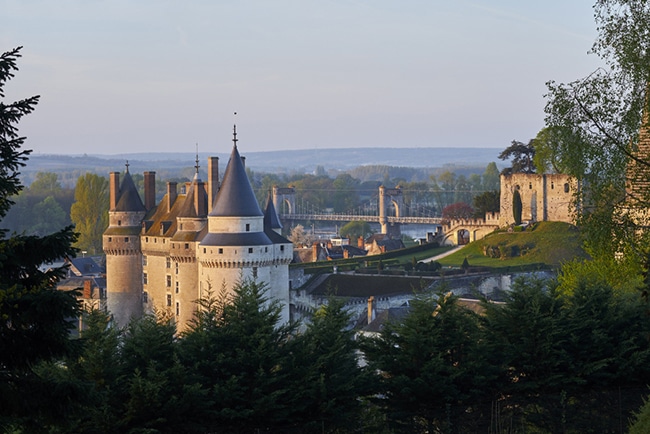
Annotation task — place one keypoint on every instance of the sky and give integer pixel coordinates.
(122, 76)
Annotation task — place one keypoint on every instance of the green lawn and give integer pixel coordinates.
(548, 243)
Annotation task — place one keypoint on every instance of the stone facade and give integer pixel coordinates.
(544, 197)
(165, 257)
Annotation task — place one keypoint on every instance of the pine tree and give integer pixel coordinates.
(516, 207)
(34, 315)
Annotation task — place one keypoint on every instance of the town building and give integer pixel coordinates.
(206, 238)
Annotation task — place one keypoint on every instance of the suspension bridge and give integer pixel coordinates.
(390, 201)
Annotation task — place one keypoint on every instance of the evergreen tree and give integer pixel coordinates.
(238, 353)
(331, 379)
(517, 207)
(434, 374)
(34, 315)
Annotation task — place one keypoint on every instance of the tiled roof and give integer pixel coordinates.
(236, 197)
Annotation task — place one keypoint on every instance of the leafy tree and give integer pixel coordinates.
(298, 236)
(46, 183)
(34, 315)
(457, 211)
(521, 156)
(355, 230)
(517, 207)
(491, 178)
(598, 119)
(89, 213)
(487, 202)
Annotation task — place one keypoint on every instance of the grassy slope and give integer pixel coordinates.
(550, 243)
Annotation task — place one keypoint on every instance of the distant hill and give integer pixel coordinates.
(305, 160)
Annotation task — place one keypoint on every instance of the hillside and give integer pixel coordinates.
(548, 243)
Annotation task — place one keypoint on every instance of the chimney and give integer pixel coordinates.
(88, 292)
(114, 187)
(360, 243)
(199, 200)
(171, 195)
(149, 190)
(371, 309)
(213, 180)
(314, 252)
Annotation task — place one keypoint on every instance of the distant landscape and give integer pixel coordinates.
(296, 161)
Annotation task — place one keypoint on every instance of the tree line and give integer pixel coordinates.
(548, 360)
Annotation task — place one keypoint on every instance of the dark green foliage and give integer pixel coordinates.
(434, 372)
(521, 155)
(34, 316)
(517, 207)
(486, 202)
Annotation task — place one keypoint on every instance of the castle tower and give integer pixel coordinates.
(236, 246)
(190, 224)
(121, 244)
(282, 256)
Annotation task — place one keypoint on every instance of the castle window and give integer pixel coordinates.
(146, 239)
(266, 249)
(119, 222)
(169, 281)
(566, 188)
(169, 300)
(248, 227)
(145, 297)
(144, 260)
(177, 288)
(178, 308)
(282, 248)
(530, 185)
(552, 186)
(254, 272)
(220, 250)
(110, 239)
(187, 246)
(126, 239)
(181, 226)
(144, 278)
(168, 262)
(250, 250)
(176, 267)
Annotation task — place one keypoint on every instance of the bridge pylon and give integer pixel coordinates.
(388, 197)
(282, 195)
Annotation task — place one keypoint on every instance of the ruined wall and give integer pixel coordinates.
(546, 197)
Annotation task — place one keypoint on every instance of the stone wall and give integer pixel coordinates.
(546, 197)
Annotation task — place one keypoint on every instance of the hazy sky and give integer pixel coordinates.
(143, 76)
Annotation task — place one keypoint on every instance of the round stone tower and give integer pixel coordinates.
(121, 243)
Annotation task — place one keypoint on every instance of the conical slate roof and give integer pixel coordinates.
(236, 197)
(129, 198)
(271, 220)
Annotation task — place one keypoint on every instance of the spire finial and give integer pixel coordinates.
(127, 166)
(234, 133)
(197, 159)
